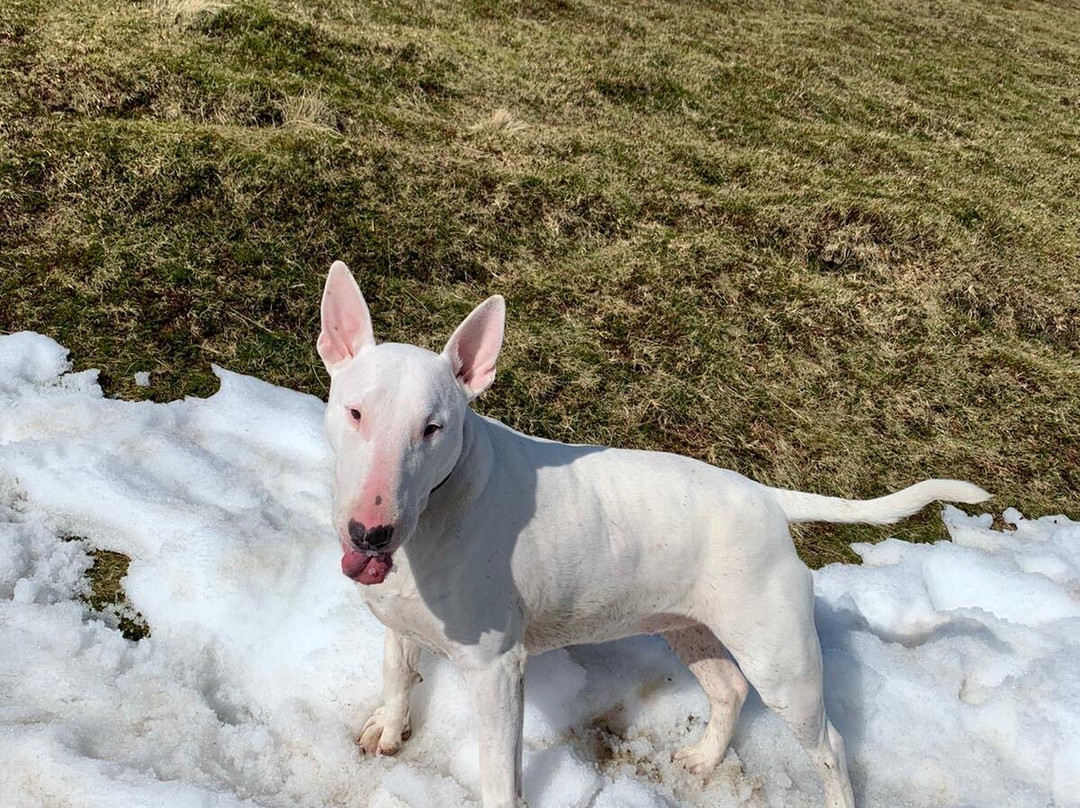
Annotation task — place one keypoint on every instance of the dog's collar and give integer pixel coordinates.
(457, 463)
(447, 477)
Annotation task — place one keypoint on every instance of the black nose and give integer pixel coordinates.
(377, 538)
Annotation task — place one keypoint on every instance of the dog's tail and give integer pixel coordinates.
(803, 507)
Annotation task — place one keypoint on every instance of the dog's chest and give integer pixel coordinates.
(406, 614)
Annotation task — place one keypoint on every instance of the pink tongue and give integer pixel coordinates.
(365, 569)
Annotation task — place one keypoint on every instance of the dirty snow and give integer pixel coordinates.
(952, 668)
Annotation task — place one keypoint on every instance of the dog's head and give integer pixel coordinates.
(394, 420)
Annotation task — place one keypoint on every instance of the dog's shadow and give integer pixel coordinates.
(597, 700)
(638, 687)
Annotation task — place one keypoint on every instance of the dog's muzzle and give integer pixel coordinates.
(367, 561)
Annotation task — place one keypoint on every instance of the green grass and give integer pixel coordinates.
(106, 593)
(834, 246)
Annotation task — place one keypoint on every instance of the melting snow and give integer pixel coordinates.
(952, 668)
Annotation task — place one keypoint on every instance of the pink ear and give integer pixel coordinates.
(474, 347)
(346, 322)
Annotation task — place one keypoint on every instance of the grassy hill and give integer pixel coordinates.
(832, 245)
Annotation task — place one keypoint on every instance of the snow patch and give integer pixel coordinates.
(951, 668)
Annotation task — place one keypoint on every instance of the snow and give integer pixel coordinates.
(142, 378)
(951, 668)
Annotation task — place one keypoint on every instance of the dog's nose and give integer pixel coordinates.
(357, 532)
(377, 538)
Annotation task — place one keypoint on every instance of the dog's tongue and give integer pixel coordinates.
(365, 569)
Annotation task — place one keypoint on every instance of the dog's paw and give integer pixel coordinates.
(702, 757)
(384, 732)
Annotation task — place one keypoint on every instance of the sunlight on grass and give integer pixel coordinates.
(832, 247)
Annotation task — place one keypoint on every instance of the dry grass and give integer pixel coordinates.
(308, 110)
(185, 12)
(832, 246)
(500, 122)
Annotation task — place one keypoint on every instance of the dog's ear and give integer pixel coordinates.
(346, 322)
(474, 347)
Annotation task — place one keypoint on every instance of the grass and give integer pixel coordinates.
(834, 246)
(106, 593)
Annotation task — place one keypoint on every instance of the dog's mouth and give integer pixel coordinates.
(366, 569)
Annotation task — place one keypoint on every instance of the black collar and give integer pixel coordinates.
(440, 485)
(457, 462)
(448, 476)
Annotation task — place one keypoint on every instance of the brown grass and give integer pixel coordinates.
(832, 246)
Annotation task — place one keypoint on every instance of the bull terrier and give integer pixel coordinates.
(486, 545)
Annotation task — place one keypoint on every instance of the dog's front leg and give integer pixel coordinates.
(388, 726)
(496, 688)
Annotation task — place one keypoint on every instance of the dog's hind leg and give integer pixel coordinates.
(772, 636)
(804, 713)
(388, 726)
(725, 687)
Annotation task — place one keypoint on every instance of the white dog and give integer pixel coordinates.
(486, 545)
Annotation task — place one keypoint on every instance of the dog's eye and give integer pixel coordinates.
(354, 414)
(431, 429)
